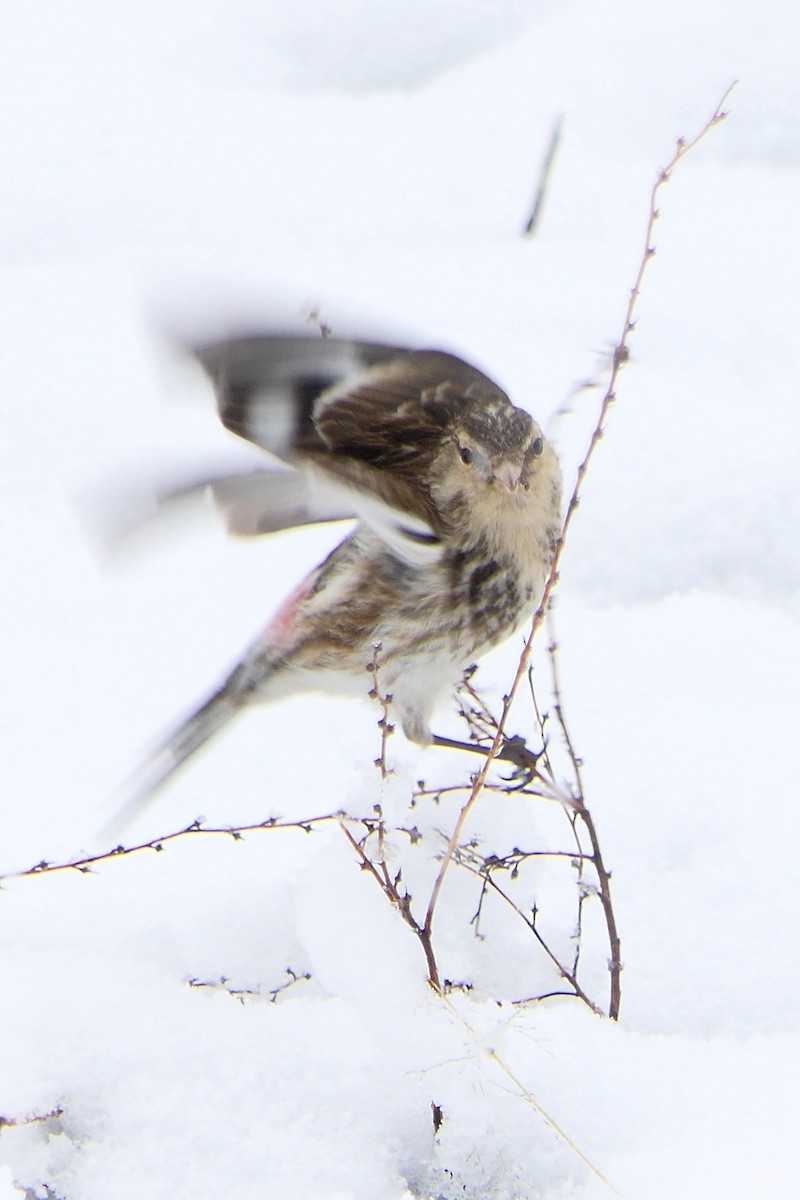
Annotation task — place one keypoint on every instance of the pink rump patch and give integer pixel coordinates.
(279, 630)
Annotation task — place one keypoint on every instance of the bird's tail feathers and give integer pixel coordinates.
(173, 752)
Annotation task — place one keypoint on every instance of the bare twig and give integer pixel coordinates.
(603, 875)
(223, 984)
(36, 1119)
(544, 177)
(401, 900)
(567, 974)
(620, 356)
(84, 865)
(384, 699)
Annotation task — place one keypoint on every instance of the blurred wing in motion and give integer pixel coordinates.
(263, 501)
(361, 421)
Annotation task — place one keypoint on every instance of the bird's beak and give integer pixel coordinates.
(507, 474)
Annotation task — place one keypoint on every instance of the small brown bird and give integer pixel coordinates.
(457, 496)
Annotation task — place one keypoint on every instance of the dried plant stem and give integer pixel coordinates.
(530, 1099)
(619, 358)
(603, 876)
(37, 1119)
(84, 865)
(544, 178)
(384, 699)
(524, 1093)
(241, 994)
(570, 976)
(401, 901)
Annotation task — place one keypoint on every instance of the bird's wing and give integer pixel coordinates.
(365, 417)
(264, 500)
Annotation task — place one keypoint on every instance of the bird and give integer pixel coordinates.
(456, 494)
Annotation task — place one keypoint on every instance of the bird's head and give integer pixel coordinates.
(490, 445)
(493, 449)
(495, 470)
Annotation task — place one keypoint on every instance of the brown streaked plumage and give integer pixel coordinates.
(457, 496)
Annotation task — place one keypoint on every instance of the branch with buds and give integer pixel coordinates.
(620, 356)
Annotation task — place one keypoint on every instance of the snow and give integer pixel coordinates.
(174, 165)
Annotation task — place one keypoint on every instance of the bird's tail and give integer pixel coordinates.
(174, 751)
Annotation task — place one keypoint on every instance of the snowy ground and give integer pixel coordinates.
(194, 163)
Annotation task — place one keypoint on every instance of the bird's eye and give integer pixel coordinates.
(467, 455)
(537, 446)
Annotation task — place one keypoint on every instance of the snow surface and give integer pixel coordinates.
(184, 163)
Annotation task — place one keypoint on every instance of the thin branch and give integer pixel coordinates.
(84, 865)
(565, 973)
(529, 1097)
(541, 720)
(620, 357)
(543, 996)
(401, 901)
(36, 1119)
(384, 699)
(544, 177)
(603, 876)
(241, 994)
